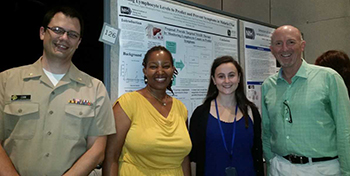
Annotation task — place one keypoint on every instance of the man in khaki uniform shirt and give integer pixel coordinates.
(53, 118)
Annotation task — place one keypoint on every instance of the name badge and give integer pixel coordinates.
(20, 97)
(231, 171)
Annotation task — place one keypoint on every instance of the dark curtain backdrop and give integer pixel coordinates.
(24, 46)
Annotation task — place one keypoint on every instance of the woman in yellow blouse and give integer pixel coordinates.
(152, 136)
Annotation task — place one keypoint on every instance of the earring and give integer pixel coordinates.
(146, 80)
(172, 79)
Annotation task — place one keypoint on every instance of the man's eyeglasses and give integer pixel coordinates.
(288, 111)
(60, 31)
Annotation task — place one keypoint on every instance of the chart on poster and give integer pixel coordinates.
(194, 36)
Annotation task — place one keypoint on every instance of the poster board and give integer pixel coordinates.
(256, 58)
(193, 35)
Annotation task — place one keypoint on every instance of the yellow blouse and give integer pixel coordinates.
(154, 145)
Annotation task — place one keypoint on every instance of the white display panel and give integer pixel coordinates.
(194, 36)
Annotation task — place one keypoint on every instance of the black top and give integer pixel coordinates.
(198, 128)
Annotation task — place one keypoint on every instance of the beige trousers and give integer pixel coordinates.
(279, 166)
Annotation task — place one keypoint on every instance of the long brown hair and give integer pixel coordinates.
(241, 99)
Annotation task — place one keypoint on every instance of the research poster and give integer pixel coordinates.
(194, 36)
(259, 61)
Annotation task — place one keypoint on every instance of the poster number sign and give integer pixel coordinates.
(108, 34)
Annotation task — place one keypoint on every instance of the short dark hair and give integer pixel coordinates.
(66, 10)
(339, 61)
(160, 48)
(241, 98)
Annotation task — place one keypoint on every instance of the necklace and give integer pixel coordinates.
(160, 101)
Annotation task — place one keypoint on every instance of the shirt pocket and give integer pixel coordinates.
(21, 120)
(78, 121)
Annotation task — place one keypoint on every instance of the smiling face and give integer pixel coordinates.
(58, 46)
(287, 46)
(158, 70)
(226, 78)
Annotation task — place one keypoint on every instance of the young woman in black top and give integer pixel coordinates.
(226, 129)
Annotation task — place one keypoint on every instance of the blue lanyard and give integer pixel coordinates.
(222, 131)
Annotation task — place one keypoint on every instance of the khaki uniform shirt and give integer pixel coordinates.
(44, 128)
